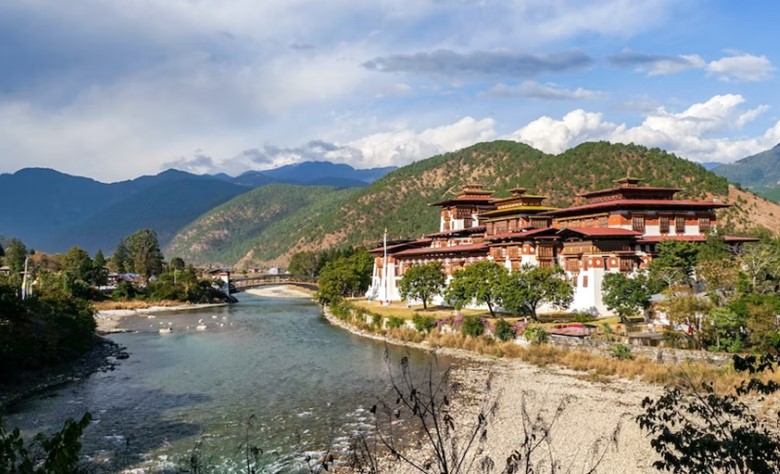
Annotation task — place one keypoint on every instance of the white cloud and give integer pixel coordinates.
(403, 146)
(546, 91)
(555, 136)
(700, 133)
(742, 67)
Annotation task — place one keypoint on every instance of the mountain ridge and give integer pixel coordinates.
(399, 201)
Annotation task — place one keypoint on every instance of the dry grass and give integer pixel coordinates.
(596, 367)
(400, 310)
(593, 366)
(112, 305)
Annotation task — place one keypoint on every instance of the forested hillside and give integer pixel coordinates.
(760, 173)
(227, 233)
(400, 200)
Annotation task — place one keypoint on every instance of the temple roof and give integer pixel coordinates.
(729, 239)
(523, 234)
(451, 233)
(442, 250)
(400, 245)
(600, 232)
(655, 204)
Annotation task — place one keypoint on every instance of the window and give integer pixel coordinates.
(679, 225)
(663, 223)
(603, 221)
(704, 225)
(585, 281)
(638, 223)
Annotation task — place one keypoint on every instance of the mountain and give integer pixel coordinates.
(711, 165)
(316, 171)
(39, 203)
(759, 173)
(400, 200)
(165, 206)
(227, 233)
(52, 211)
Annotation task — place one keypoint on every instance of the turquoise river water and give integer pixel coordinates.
(269, 371)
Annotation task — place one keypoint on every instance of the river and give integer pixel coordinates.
(270, 371)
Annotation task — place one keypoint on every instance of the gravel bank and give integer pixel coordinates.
(592, 411)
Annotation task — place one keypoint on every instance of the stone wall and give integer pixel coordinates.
(662, 355)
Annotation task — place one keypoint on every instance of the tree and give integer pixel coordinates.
(524, 290)
(305, 263)
(15, 253)
(177, 263)
(625, 295)
(99, 271)
(675, 261)
(120, 261)
(760, 265)
(479, 282)
(683, 306)
(144, 253)
(422, 282)
(344, 276)
(76, 263)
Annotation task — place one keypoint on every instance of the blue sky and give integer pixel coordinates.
(112, 90)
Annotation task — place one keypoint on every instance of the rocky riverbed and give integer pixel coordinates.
(589, 423)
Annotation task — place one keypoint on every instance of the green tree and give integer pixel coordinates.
(345, 276)
(77, 264)
(626, 295)
(120, 260)
(99, 271)
(524, 290)
(144, 253)
(177, 263)
(422, 282)
(305, 263)
(15, 253)
(675, 262)
(478, 282)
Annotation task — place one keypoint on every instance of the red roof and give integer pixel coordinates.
(470, 230)
(410, 243)
(465, 200)
(441, 250)
(693, 238)
(602, 231)
(520, 234)
(630, 189)
(629, 203)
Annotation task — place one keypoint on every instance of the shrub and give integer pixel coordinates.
(376, 320)
(423, 323)
(583, 318)
(504, 331)
(394, 322)
(621, 352)
(472, 326)
(536, 334)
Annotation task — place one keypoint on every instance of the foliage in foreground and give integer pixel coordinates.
(55, 454)
(696, 430)
(42, 331)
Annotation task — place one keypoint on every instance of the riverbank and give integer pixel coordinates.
(592, 411)
(281, 291)
(109, 320)
(103, 357)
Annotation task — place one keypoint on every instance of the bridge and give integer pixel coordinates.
(241, 284)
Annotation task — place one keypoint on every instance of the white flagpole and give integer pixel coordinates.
(24, 279)
(384, 267)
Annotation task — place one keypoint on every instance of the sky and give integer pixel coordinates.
(113, 90)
